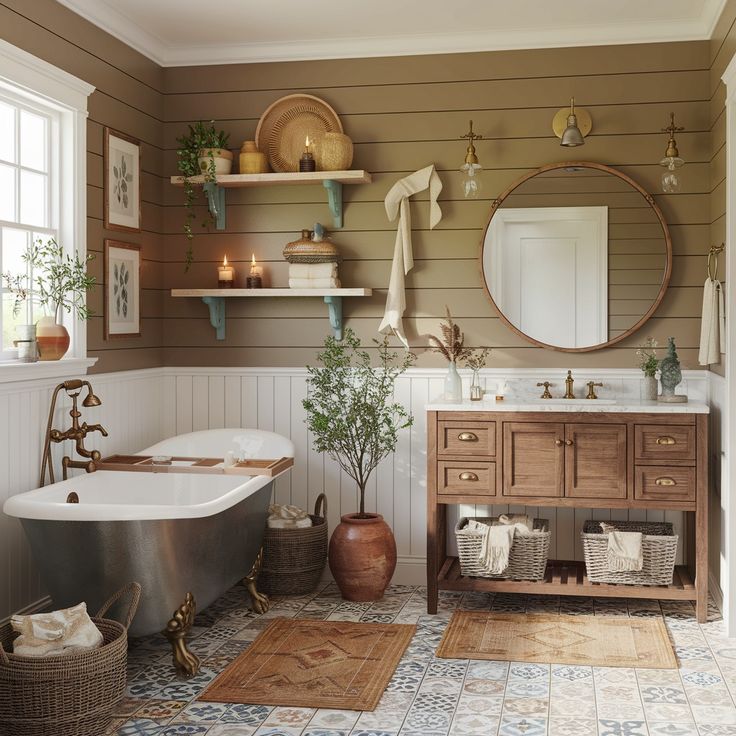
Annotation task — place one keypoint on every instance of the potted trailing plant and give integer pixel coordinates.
(60, 282)
(353, 418)
(202, 152)
(649, 364)
(452, 347)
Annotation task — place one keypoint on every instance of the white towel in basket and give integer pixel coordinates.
(287, 517)
(624, 549)
(498, 540)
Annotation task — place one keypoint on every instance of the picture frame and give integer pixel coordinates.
(122, 277)
(122, 182)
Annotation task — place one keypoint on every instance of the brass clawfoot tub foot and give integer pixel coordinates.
(259, 601)
(186, 662)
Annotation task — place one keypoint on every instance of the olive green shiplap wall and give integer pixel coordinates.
(128, 98)
(404, 113)
(722, 49)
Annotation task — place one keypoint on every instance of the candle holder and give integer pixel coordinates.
(225, 276)
(307, 163)
(253, 282)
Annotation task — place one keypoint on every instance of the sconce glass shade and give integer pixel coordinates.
(472, 184)
(670, 177)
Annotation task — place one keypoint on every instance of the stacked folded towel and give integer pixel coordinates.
(68, 631)
(313, 276)
(287, 517)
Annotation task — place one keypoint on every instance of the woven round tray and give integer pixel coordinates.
(658, 547)
(285, 125)
(294, 559)
(70, 695)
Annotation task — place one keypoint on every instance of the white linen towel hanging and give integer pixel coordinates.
(498, 539)
(712, 324)
(624, 549)
(397, 203)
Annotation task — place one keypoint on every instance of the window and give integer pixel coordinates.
(43, 143)
(28, 199)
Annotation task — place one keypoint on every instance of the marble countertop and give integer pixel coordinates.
(628, 405)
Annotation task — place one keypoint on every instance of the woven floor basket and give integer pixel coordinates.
(527, 558)
(71, 695)
(294, 559)
(658, 546)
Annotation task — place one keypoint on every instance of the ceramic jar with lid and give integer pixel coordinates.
(251, 160)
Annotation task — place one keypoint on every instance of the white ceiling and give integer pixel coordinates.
(183, 32)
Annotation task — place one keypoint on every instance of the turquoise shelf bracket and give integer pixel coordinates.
(334, 199)
(334, 309)
(216, 202)
(217, 314)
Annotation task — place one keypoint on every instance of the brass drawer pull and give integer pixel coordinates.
(569, 443)
(666, 440)
(468, 476)
(467, 437)
(559, 443)
(665, 482)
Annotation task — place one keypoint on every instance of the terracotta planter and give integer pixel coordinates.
(52, 339)
(362, 556)
(222, 157)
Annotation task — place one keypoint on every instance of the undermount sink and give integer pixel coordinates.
(587, 402)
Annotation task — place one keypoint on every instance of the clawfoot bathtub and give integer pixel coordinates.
(183, 537)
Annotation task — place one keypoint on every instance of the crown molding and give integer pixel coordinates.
(167, 55)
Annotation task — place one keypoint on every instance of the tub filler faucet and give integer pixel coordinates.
(77, 432)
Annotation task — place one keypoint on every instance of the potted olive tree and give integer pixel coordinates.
(353, 418)
(60, 282)
(202, 152)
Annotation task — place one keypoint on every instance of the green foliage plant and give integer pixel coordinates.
(60, 280)
(647, 354)
(350, 408)
(200, 137)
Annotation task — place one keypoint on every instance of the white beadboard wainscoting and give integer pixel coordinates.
(142, 407)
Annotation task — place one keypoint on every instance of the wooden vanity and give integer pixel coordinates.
(645, 456)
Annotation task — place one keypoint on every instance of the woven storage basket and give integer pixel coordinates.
(72, 695)
(294, 559)
(658, 546)
(527, 558)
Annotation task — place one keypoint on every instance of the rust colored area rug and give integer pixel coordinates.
(600, 641)
(314, 664)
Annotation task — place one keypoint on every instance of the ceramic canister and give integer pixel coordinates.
(221, 156)
(251, 160)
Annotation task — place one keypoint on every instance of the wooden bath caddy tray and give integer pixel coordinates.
(211, 465)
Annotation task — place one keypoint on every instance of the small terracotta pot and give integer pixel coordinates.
(362, 556)
(222, 157)
(52, 339)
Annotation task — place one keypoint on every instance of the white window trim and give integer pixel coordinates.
(26, 75)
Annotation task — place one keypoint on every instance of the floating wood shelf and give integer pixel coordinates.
(331, 180)
(567, 578)
(215, 300)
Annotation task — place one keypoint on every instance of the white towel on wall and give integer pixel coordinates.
(397, 203)
(712, 324)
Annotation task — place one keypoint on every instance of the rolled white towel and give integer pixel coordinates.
(67, 631)
(313, 270)
(314, 283)
(287, 517)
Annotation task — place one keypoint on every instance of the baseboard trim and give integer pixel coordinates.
(36, 607)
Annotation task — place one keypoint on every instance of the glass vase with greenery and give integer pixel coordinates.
(201, 137)
(452, 347)
(647, 354)
(350, 408)
(476, 361)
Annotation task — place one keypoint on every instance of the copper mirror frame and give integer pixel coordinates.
(496, 204)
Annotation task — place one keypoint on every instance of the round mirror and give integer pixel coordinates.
(576, 256)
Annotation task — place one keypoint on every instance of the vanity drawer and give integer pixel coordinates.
(665, 442)
(463, 478)
(664, 483)
(466, 438)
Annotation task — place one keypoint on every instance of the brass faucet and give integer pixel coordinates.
(77, 432)
(546, 394)
(569, 381)
(591, 389)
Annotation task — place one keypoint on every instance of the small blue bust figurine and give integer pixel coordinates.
(670, 374)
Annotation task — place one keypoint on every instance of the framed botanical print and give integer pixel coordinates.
(122, 207)
(122, 289)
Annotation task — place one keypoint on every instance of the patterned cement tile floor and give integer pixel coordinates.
(437, 697)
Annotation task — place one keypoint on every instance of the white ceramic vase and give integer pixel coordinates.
(453, 384)
(649, 392)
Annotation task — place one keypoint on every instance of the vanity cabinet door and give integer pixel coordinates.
(595, 461)
(533, 459)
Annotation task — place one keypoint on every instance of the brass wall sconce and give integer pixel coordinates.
(571, 125)
(471, 167)
(671, 161)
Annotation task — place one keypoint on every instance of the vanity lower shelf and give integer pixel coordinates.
(567, 578)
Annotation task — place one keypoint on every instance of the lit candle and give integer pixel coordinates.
(254, 278)
(306, 162)
(225, 275)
